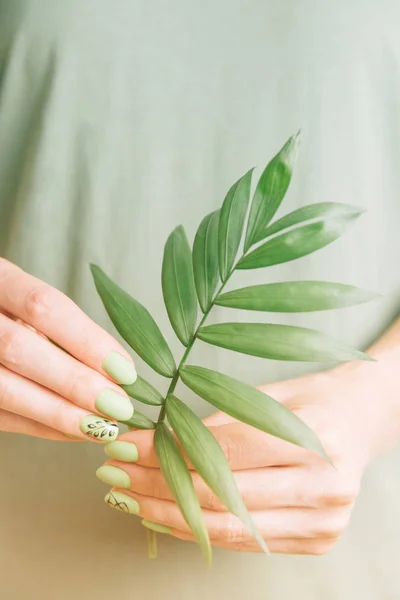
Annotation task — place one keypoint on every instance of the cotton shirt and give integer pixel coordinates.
(120, 120)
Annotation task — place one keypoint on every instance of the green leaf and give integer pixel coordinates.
(320, 210)
(271, 189)
(144, 392)
(139, 421)
(210, 462)
(135, 324)
(205, 259)
(179, 480)
(295, 296)
(279, 342)
(231, 223)
(178, 285)
(251, 406)
(297, 242)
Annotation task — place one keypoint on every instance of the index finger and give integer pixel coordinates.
(56, 316)
(244, 447)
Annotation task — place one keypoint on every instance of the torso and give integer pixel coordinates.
(118, 123)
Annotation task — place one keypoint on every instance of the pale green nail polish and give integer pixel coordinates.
(114, 405)
(156, 526)
(122, 502)
(120, 368)
(123, 451)
(99, 428)
(113, 476)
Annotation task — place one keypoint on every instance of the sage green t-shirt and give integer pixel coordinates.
(120, 120)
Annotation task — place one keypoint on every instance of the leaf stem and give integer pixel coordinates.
(152, 543)
(185, 356)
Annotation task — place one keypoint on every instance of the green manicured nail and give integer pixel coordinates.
(114, 476)
(120, 368)
(114, 405)
(122, 502)
(99, 428)
(156, 526)
(123, 451)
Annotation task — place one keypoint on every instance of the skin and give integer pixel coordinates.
(300, 503)
(44, 391)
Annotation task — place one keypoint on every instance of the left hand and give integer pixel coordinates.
(299, 502)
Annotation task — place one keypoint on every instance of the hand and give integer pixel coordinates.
(49, 391)
(299, 502)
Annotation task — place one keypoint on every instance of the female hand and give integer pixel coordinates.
(299, 502)
(45, 391)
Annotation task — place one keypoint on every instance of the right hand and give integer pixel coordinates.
(48, 392)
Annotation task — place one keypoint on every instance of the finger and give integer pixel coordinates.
(260, 489)
(284, 523)
(218, 418)
(20, 396)
(55, 315)
(244, 446)
(276, 546)
(12, 423)
(30, 354)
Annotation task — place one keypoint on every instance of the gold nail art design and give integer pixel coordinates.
(99, 428)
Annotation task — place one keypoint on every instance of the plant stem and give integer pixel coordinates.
(185, 356)
(152, 543)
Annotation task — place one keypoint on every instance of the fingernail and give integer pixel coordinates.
(113, 476)
(114, 405)
(156, 526)
(120, 368)
(99, 428)
(123, 451)
(122, 502)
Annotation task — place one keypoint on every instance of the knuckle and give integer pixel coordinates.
(164, 517)
(231, 531)
(333, 443)
(87, 348)
(227, 450)
(234, 450)
(333, 526)
(79, 386)
(60, 418)
(38, 303)
(156, 486)
(340, 493)
(332, 449)
(212, 502)
(10, 345)
(322, 548)
(347, 494)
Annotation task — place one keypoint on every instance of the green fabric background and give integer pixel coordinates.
(120, 120)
